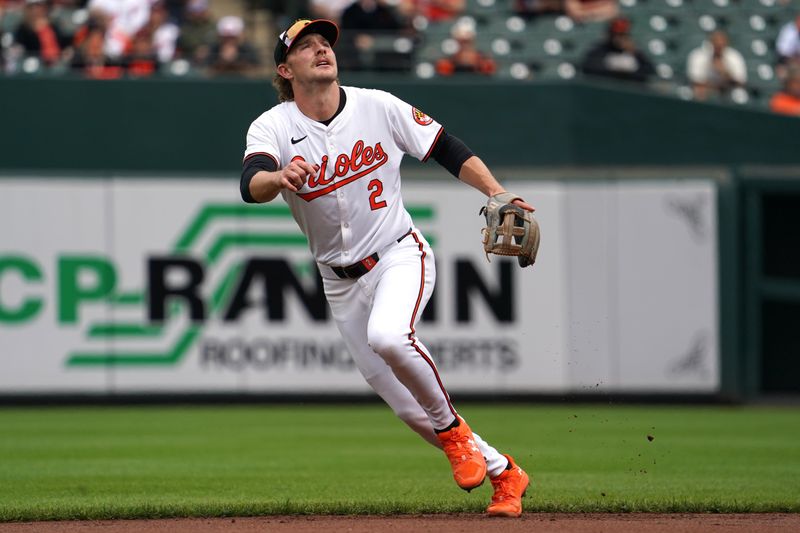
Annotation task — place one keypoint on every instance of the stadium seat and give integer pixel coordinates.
(179, 68)
(708, 22)
(715, 7)
(68, 20)
(559, 70)
(544, 26)
(488, 8)
(766, 6)
(669, 6)
(762, 75)
(10, 19)
(755, 47)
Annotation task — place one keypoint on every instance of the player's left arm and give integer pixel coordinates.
(419, 135)
(475, 172)
(460, 161)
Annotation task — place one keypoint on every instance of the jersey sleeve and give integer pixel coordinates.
(414, 132)
(262, 140)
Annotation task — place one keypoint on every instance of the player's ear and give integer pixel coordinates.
(284, 71)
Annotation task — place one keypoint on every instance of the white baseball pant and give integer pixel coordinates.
(377, 314)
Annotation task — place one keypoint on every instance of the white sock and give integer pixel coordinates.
(495, 461)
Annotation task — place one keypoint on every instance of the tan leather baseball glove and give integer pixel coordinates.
(510, 230)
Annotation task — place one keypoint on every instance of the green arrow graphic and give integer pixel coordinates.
(207, 215)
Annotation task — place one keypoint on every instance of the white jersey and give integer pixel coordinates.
(353, 206)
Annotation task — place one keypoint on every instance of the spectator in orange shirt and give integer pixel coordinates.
(91, 59)
(586, 11)
(440, 10)
(37, 35)
(787, 101)
(467, 58)
(141, 61)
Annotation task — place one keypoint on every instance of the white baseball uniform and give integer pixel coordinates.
(351, 210)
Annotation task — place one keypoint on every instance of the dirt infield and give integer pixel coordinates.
(541, 523)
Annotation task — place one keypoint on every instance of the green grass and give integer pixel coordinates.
(96, 463)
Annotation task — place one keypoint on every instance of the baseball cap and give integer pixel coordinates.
(230, 26)
(197, 6)
(324, 27)
(620, 25)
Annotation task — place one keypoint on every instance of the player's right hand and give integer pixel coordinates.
(294, 175)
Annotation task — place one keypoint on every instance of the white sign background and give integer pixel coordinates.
(623, 296)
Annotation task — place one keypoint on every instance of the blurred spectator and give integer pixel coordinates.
(141, 61)
(714, 68)
(231, 54)
(37, 36)
(467, 58)
(787, 101)
(529, 9)
(370, 15)
(329, 9)
(617, 56)
(198, 33)
(440, 10)
(584, 11)
(163, 33)
(285, 12)
(788, 46)
(122, 19)
(361, 23)
(176, 10)
(91, 60)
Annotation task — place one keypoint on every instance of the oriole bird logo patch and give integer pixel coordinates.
(421, 118)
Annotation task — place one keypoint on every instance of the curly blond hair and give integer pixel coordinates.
(284, 88)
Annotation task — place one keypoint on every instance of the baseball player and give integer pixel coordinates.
(333, 153)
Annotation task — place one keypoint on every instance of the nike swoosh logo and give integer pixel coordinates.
(298, 140)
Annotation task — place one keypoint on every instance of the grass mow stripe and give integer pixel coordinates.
(159, 461)
(213, 211)
(127, 511)
(222, 510)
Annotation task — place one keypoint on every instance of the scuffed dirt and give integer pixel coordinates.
(538, 522)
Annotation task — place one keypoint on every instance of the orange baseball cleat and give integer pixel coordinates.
(509, 488)
(469, 466)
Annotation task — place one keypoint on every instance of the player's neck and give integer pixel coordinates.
(316, 102)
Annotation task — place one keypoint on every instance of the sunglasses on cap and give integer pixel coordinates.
(326, 28)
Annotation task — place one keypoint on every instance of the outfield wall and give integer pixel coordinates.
(549, 131)
(623, 298)
(199, 126)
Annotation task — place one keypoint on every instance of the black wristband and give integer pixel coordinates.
(451, 152)
(251, 166)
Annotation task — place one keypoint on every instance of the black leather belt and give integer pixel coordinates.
(356, 270)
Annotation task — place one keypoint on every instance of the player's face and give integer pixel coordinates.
(312, 59)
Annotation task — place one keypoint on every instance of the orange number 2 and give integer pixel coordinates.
(377, 189)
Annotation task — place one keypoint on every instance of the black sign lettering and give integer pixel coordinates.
(160, 290)
(277, 277)
(500, 301)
